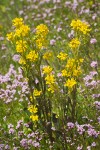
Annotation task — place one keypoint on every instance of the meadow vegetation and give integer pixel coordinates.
(49, 75)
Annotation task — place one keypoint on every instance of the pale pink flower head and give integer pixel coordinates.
(94, 16)
(94, 64)
(52, 42)
(16, 57)
(79, 147)
(93, 144)
(93, 41)
(70, 125)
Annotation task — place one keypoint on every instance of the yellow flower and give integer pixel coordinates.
(39, 43)
(31, 98)
(32, 109)
(62, 56)
(70, 63)
(47, 55)
(77, 72)
(17, 22)
(10, 36)
(34, 117)
(42, 30)
(37, 93)
(50, 79)
(74, 43)
(47, 70)
(32, 56)
(81, 60)
(52, 88)
(80, 26)
(21, 46)
(22, 61)
(70, 83)
(22, 31)
(64, 72)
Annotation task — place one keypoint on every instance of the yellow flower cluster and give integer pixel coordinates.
(40, 43)
(74, 43)
(21, 30)
(47, 55)
(50, 79)
(21, 46)
(47, 70)
(34, 117)
(72, 70)
(20, 37)
(62, 56)
(41, 32)
(36, 93)
(71, 63)
(32, 56)
(17, 22)
(10, 36)
(70, 83)
(33, 110)
(52, 87)
(22, 61)
(64, 73)
(80, 26)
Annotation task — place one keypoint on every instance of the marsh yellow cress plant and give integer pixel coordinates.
(48, 83)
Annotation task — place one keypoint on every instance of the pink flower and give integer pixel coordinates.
(94, 64)
(93, 41)
(52, 42)
(16, 57)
